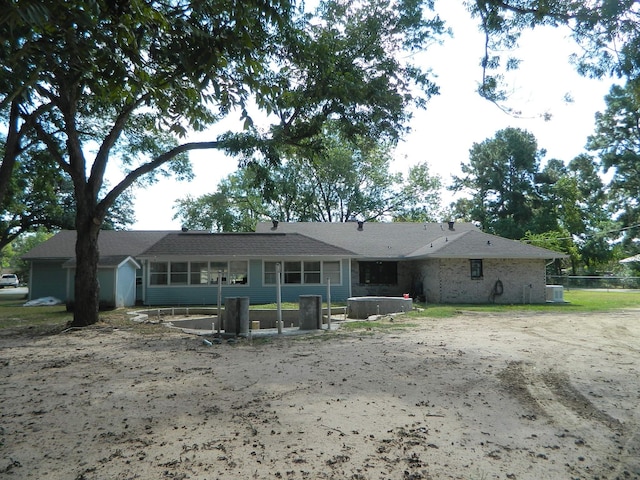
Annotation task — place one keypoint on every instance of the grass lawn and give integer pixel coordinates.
(14, 316)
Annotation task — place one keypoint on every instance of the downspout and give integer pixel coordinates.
(350, 294)
(145, 264)
(116, 297)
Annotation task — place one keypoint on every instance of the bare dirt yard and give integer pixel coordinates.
(478, 396)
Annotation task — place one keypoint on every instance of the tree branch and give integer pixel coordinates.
(102, 157)
(111, 197)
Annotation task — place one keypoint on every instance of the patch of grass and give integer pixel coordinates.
(601, 300)
(577, 301)
(14, 315)
(15, 318)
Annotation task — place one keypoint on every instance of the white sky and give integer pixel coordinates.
(443, 133)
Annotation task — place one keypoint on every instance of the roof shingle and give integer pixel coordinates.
(241, 245)
(412, 240)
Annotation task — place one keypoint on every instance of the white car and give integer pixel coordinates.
(9, 280)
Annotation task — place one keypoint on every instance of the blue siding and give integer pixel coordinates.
(106, 277)
(254, 289)
(48, 279)
(126, 285)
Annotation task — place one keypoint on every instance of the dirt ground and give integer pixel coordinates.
(540, 396)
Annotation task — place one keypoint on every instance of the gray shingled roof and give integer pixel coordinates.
(476, 244)
(110, 261)
(412, 240)
(374, 240)
(241, 245)
(112, 243)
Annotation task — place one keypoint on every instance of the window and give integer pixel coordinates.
(199, 273)
(270, 273)
(179, 273)
(307, 272)
(292, 272)
(379, 273)
(476, 268)
(237, 273)
(159, 273)
(311, 272)
(218, 269)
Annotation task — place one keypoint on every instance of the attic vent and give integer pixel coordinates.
(185, 229)
(275, 223)
(451, 224)
(360, 224)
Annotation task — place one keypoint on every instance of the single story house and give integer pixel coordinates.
(451, 262)
(438, 263)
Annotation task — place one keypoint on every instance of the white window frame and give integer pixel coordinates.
(233, 273)
(269, 273)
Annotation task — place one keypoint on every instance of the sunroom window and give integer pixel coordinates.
(179, 273)
(238, 273)
(159, 273)
(218, 272)
(303, 272)
(199, 273)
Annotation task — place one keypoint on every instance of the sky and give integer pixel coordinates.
(453, 121)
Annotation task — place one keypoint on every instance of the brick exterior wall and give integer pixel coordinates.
(449, 281)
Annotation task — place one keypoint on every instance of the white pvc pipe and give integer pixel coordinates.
(278, 299)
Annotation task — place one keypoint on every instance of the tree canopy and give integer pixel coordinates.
(93, 81)
(607, 32)
(510, 194)
(500, 176)
(344, 180)
(616, 141)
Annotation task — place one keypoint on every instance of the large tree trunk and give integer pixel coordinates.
(87, 288)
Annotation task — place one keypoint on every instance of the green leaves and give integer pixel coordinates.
(339, 180)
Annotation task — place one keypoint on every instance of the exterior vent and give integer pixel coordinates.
(360, 224)
(275, 224)
(451, 224)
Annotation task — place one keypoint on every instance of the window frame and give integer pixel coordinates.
(161, 273)
(476, 268)
(158, 273)
(303, 274)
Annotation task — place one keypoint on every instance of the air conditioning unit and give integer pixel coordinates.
(554, 294)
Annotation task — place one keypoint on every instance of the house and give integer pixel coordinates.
(439, 263)
(186, 268)
(193, 267)
(52, 266)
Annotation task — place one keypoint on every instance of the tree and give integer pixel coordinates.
(573, 211)
(345, 180)
(500, 177)
(128, 80)
(40, 196)
(608, 33)
(617, 142)
(11, 255)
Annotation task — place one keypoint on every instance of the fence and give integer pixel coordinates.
(599, 282)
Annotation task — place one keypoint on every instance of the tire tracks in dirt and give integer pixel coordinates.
(551, 395)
